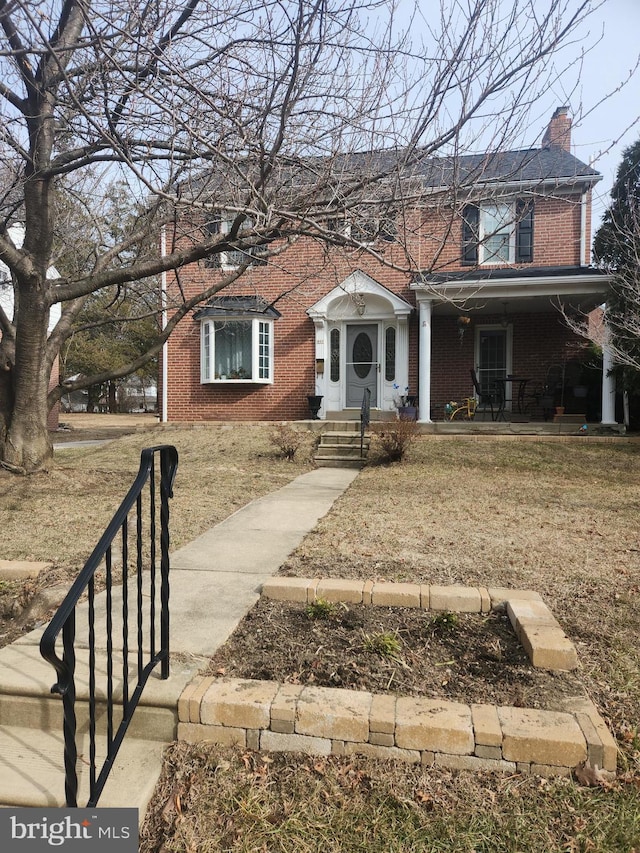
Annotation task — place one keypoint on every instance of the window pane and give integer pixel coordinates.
(233, 349)
(496, 248)
(497, 225)
(335, 355)
(362, 355)
(206, 352)
(390, 354)
(264, 347)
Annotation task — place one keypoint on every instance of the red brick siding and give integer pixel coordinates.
(307, 271)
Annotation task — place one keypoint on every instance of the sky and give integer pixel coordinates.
(601, 136)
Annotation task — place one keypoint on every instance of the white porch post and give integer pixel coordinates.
(608, 385)
(320, 379)
(424, 361)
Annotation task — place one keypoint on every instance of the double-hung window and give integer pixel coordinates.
(237, 341)
(221, 224)
(497, 233)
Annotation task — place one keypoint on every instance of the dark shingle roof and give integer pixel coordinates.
(487, 274)
(530, 165)
(234, 306)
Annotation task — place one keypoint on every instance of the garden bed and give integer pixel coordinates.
(464, 657)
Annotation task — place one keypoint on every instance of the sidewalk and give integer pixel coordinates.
(214, 581)
(216, 578)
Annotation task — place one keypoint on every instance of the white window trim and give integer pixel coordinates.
(225, 224)
(493, 261)
(207, 352)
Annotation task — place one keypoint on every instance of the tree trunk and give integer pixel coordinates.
(27, 444)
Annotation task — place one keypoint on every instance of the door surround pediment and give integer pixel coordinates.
(358, 297)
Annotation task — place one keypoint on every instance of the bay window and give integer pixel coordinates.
(236, 345)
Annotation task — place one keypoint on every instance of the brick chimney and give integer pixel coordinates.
(558, 134)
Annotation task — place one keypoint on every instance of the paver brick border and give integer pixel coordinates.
(14, 570)
(269, 716)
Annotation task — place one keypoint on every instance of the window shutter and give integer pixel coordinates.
(470, 232)
(524, 231)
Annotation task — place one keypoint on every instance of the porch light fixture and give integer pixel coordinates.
(463, 321)
(504, 322)
(358, 301)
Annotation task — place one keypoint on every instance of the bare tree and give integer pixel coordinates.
(259, 108)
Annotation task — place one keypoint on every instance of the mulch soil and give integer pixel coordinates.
(461, 657)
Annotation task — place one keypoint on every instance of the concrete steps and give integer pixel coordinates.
(33, 770)
(214, 581)
(31, 742)
(340, 448)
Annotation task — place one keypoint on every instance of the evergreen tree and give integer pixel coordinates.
(617, 248)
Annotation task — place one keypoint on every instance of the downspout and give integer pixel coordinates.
(583, 230)
(165, 346)
(608, 381)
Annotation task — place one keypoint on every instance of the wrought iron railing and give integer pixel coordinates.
(365, 417)
(140, 619)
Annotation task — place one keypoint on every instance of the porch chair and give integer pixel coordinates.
(485, 400)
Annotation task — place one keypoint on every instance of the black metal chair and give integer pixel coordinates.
(484, 398)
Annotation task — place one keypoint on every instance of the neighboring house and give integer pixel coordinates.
(332, 323)
(132, 394)
(16, 232)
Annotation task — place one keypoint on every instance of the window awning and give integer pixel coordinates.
(238, 306)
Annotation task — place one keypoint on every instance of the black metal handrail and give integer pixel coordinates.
(365, 417)
(146, 629)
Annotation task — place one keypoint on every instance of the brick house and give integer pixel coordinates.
(491, 268)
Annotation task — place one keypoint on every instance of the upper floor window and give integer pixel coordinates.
(236, 340)
(221, 224)
(497, 233)
(367, 225)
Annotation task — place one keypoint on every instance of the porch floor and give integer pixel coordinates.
(568, 425)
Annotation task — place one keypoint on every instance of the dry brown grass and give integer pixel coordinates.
(561, 518)
(58, 514)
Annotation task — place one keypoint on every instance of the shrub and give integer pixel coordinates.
(445, 621)
(390, 440)
(286, 441)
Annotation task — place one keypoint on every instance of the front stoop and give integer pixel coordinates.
(31, 742)
(340, 448)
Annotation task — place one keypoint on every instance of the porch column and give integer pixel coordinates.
(608, 385)
(321, 366)
(424, 361)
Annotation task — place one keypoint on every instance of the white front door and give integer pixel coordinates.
(362, 363)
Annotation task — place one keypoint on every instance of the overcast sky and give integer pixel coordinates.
(613, 125)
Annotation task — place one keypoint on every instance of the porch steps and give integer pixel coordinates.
(340, 448)
(31, 741)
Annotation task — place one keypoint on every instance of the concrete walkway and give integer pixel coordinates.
(214, 581)
(217, 577)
